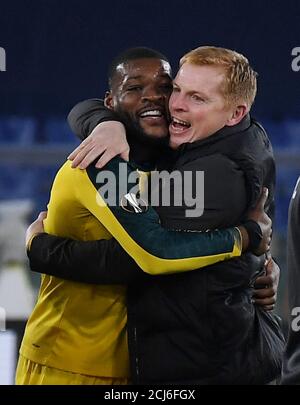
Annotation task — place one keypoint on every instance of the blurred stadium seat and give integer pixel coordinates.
(43, 182)
(16, 182)
(277, 133)
(292, 129)
(283, 134)
(27, 182)
(286, 180)
(17, 130)
(56, 130)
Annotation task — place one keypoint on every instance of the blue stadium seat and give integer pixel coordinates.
(284, 134)
(27, 182)
(43, 182)
(292, 129)
(286, 180)
(56, 130)
(17, 130)
(277, 133)
(16, 182)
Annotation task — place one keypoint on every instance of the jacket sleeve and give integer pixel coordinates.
(155, 249)
(96, 262)
(86, 115)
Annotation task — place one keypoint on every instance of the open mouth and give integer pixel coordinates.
(152, 114)
(179, 125)
(154, 117)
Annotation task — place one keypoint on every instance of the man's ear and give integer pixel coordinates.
(237, 115)
(108, 100)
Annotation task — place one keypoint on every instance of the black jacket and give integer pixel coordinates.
(201, 327)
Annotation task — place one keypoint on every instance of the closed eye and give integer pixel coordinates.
(134, 88)
(198, 98)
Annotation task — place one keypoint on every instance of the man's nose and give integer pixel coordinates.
(152, 95)
(177, 103)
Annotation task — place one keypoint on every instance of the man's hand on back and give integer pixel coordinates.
(35, 228)
(258, 225)
(258, 215)
(107, 140)
(266, 286)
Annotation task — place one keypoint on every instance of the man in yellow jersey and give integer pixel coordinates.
(77, 332)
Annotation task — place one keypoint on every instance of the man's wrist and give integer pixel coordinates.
(254, 234)
(244, 237)
(29, 242)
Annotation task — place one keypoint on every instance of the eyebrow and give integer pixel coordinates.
(162, 75)
(194, 92)
(134, 77)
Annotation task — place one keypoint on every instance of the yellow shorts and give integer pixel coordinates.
(31, 373)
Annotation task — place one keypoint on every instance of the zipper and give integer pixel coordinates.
(137, 372)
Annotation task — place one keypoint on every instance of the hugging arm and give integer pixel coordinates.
(96, 262)
(87, 114)
(156, 250)
(102, 133)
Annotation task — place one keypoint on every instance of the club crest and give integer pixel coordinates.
(130, 202)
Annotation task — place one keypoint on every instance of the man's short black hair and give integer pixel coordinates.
(133, 54)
